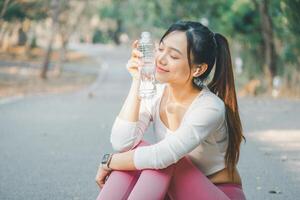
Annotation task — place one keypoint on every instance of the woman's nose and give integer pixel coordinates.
(161, 59)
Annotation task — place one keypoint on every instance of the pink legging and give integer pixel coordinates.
(180, 181)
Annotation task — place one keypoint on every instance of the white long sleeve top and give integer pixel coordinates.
(202, 134)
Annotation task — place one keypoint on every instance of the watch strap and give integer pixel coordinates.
(106, 161)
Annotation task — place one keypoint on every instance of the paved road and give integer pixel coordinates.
(50, 145)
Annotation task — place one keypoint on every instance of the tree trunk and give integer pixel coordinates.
(55, 13)
(2, 13)
(270, 56)
(62, 56)
(4, 8)
(47, 59)
(65, 31)
(117, 32)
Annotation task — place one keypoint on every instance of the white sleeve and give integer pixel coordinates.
(196, 127)
(125, 135)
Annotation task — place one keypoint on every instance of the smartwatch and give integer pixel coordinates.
(106, 161)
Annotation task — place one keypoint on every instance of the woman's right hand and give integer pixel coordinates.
(135, 61)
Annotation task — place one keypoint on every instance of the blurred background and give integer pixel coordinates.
(63, 81)
(35, 38)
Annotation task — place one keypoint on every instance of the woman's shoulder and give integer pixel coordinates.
(208, 109)
(210, 100)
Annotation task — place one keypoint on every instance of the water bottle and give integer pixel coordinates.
(147, 71)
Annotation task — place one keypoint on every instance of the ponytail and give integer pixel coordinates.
(222, 84)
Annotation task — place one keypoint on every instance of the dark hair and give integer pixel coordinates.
(206, 47)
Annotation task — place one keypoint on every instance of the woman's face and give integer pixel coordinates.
(171, 59)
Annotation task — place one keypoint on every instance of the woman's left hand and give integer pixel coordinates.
(101, 176)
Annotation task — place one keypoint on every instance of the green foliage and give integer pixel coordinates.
(291, 10)
(34, 10)
(288, 31)
(33, 43)
(238, 20)
(101, 37)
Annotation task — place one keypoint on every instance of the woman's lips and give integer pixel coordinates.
(159, 69)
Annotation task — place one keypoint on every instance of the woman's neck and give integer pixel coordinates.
(181, 94)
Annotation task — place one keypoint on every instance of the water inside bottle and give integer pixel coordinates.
(147, 87)
(147, 71)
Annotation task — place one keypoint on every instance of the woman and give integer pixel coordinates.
(198, 127)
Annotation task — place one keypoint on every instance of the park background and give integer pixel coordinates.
(63, 80)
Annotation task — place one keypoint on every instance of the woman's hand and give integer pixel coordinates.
(135, 61)
(101, 176)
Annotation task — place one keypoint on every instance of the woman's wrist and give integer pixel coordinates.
(105, 163)
(108, 163)
(135, 86)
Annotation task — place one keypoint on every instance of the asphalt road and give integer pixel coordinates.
(50, 145)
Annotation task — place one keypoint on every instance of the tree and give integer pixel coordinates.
(55, 9)
(14, 13)
(65, 18)
(270, 57)
(290, 9)
(4, 8)
(116, 10)
(70, 14)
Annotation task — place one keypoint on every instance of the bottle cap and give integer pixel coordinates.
(145, 36)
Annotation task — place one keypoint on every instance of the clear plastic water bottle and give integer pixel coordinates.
(147, 71)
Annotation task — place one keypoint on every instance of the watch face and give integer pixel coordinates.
(105, 158)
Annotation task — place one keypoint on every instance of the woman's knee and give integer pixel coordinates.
(168, 169)
(186, 164)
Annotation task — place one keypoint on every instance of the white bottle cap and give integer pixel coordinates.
(146, 36)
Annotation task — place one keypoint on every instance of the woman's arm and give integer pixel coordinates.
(132, 122)
(200, 123)
(123, 161)
(134, 117)
(131, 107)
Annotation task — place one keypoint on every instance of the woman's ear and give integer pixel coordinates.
(200, 69)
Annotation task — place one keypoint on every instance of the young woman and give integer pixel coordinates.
(197, 126)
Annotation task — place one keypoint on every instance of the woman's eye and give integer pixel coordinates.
(174, 57)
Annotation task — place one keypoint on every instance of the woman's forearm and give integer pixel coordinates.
(123, 161)
(131, 107)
